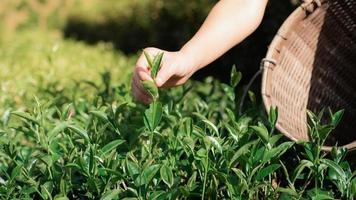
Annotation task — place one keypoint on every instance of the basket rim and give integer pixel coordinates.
(299, 13)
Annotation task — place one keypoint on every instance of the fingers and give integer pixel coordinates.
(164, 74)
(174, 81)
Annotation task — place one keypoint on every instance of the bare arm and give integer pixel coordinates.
(228, 23)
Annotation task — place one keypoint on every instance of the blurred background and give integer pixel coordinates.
(48, 45)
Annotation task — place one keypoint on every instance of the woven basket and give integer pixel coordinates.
(311, 64)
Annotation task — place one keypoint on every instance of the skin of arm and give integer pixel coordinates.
(228, 23)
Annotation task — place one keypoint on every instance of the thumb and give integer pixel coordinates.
(164, 74)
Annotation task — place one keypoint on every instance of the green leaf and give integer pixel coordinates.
(148, 174)
(319, 194)
(287, 191)
(252, 96)
(132, 168)
(153, 115)
(229, 91)
(111, 146)
(235, 77)
(25, 116)
(298, 170)
(336, 117)
(80, 132)
(112, 194)
(242, 177)
(192, 180)
(336, 168)
(211, 125)
(215, 142)
(16, 171)
(151, 88)
(241, 151)
(232, 132)
(60, 197)
(167, 175)
(156, 64)
(273, 116)
(101, 115)
(267, 171)
(149, 59)
(262, 132)
(277, 151)
(56, 130)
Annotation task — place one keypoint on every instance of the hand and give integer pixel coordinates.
(176, 68)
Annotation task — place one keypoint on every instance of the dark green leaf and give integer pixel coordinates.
(111, 146)
(167, 175)
(267, 171)
(262, 132)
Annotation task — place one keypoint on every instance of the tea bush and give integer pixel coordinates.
(189, 143)
(45, 65)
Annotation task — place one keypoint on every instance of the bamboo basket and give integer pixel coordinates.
(311, 64)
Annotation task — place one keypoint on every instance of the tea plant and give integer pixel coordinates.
(189, 143)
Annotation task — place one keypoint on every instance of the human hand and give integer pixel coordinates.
(176, 68)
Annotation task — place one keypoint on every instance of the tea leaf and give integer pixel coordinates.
(153, 115)
(235, 77)
(267, 171)
(277, 151)
(262, 132)
(273, 116)
(149, 59)
(229, 91)
(25, 116)
(241, 151)
(111, 194)
(167, 175)
(80, 132)
(148, 174)
(151, 88)
(111, 146)
(156, 64)
(336, 117)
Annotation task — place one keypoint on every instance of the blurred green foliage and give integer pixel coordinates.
(50, 67)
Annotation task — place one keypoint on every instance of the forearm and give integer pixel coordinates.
(228, 23)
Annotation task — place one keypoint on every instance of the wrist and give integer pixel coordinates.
(190, 58)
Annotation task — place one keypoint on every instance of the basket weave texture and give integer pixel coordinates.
(313, 66)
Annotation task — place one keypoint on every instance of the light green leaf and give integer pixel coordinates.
(156, 64)
(148, 58)
(153, 115)
(235, 77)
(151, 88)
(214, 142)
(80, 132)
(25, 116)
(112, 194)
(229, 91)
